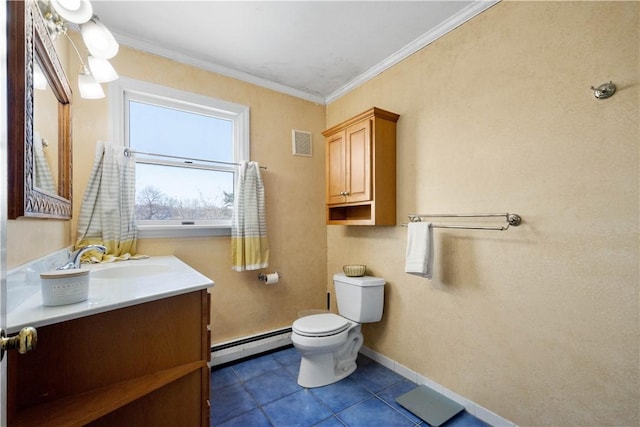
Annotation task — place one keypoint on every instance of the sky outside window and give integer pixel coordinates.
(176, 132)
(179, 133)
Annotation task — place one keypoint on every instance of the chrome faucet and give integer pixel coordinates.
(74, 257)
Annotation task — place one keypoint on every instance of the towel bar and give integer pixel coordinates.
(511, 220)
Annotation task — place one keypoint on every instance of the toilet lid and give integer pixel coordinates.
(320, 325)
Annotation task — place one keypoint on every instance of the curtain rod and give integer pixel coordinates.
(128, 151)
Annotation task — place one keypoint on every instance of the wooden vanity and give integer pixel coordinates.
(141, 364)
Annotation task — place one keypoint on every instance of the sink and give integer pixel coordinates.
(129, 271)
(16, 295)
(111, 286)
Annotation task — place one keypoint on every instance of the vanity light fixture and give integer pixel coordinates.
(102, 69)
(98, 39)
(76, 11)
(89, 86)
(87, 83)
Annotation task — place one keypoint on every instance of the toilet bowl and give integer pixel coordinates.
(328, 354)
(328, 342)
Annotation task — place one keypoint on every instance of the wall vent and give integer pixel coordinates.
(301, 141)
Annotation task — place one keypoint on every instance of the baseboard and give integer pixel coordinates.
(471, 407)
(231, 351)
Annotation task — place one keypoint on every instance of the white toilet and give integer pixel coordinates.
(329, 343)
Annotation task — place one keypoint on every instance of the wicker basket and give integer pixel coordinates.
(354, 270)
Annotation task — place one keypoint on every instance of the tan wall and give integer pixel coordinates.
(241, 305)
(30, 239)
(538, 323)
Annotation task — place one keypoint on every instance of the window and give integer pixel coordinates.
(179, 192)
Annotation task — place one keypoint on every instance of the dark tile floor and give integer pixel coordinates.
(263, 391)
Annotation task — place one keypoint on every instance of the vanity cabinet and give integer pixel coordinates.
(361, 169)
(142, 365)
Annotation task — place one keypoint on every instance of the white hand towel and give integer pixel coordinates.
(419, 259)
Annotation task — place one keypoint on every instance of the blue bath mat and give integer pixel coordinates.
(429, 405)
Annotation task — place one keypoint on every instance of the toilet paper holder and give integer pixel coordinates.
(263, 276)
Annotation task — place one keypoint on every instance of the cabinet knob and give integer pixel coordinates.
(25, 341)
(344, 193)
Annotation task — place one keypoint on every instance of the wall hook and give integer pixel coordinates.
(604, 91)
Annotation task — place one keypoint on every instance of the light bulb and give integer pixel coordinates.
(99, 39)
(88, 86)
(101, 69)
(70, 4)
(76, 11)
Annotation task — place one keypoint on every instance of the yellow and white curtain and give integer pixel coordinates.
(107, 214)
(44, 178)
(249, 245)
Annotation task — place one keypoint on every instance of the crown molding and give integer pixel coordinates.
(215, 68)
(449, 25)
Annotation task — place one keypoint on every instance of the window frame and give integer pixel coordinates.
(125, 89)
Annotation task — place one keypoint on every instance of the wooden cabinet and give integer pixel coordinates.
(348, 165)
(143, 365)
(361, 169)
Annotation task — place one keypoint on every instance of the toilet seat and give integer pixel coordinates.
(320, 325)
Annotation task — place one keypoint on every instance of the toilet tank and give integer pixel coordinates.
(360, 299)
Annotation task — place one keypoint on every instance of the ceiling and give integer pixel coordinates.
(316, 50)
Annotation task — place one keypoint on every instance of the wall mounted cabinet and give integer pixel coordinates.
(361, 169)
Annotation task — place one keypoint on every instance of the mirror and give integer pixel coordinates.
(39, 176)
(45, 132)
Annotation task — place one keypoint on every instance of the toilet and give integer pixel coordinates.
(329, 343)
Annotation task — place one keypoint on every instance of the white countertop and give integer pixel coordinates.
(111, 286)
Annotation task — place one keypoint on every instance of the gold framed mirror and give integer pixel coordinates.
(29, 49)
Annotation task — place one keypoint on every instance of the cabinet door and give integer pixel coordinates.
(336, 161)
(358, 162)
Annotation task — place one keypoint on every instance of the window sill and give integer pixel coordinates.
(168, 231)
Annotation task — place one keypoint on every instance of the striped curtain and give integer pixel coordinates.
(44, 178)
(107, 214)
(249, 245)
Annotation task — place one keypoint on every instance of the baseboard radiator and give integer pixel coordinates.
(231, 351)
